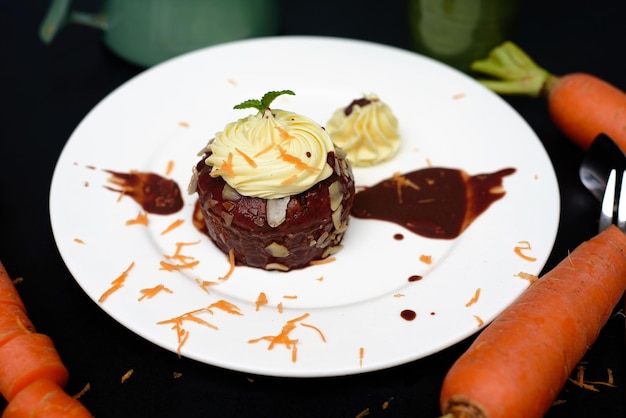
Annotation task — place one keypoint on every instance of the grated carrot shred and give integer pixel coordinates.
(260, 301)
(283, 337)
(361, 355)
(527, 276)
(292, 159)
(141, 219)
(79, 241)
(153, 291)
(426, 259)
(226, 167)
(204, 284)
(290, 296)
(117, 283)
(474, 299)
(524, 246)
(226, 306)
(401, 182)
(479, 320)
(185, 260)
(264, 150)
(283, 133)
(173, 226)
(177, 267)
(245, 156)
(319, 331)
(289, 180)
(183, 124)
(280, 307)
(231, 269)
(127, 375)
(169, 168)
(177, 322)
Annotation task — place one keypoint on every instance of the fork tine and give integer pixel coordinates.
(621, 204)
(608, 202)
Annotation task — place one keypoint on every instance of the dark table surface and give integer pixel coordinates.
(47, 90)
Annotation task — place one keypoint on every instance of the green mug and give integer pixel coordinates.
(458, 32)
(147, 32)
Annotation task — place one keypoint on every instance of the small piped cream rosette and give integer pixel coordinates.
(367, 130)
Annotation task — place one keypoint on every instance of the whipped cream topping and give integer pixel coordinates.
(367, 130)
(271, 155)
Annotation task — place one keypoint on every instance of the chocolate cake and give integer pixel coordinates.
(274, 190)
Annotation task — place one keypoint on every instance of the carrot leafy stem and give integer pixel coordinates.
(265, 101)
(512, 71)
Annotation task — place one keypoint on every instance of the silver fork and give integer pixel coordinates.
(614, 201)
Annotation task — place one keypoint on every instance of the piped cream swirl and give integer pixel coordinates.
(271, 155)
(367, 132)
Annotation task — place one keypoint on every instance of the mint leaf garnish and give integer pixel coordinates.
(265, 101)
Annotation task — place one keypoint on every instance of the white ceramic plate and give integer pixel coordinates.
(353, 305)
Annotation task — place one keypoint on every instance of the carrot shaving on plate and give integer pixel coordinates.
(479, 320)
(319, 331)
(524, 246)
(260, 301)
(283, 337)
(172, 226)
(474, 299)
(175, 267)
(141, 219)
(426, 259)
(204, 284)
(290, 296)
(527, 276)
(153, 291)
(185, 262)
(231, 261)
(226, 306)
(170, 167)
(117, 283)
(361, 355)
(182, 334)
(79, 241)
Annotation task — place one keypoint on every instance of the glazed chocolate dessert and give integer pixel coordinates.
(274, 190)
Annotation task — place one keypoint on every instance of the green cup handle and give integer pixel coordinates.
(59, 14)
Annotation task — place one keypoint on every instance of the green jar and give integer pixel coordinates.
(457, 32)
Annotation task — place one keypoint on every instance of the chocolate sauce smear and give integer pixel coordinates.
(154, 193)
(432, 202)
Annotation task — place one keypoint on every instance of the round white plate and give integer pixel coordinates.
(345, 315)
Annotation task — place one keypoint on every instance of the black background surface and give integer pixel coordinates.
(45, 91)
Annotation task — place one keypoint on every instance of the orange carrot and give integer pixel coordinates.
(8, 292)
(44, 399)
(26, 358)
(13, 322)
(581, 105)
(518, 365)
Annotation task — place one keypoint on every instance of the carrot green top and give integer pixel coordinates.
(512, 71)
